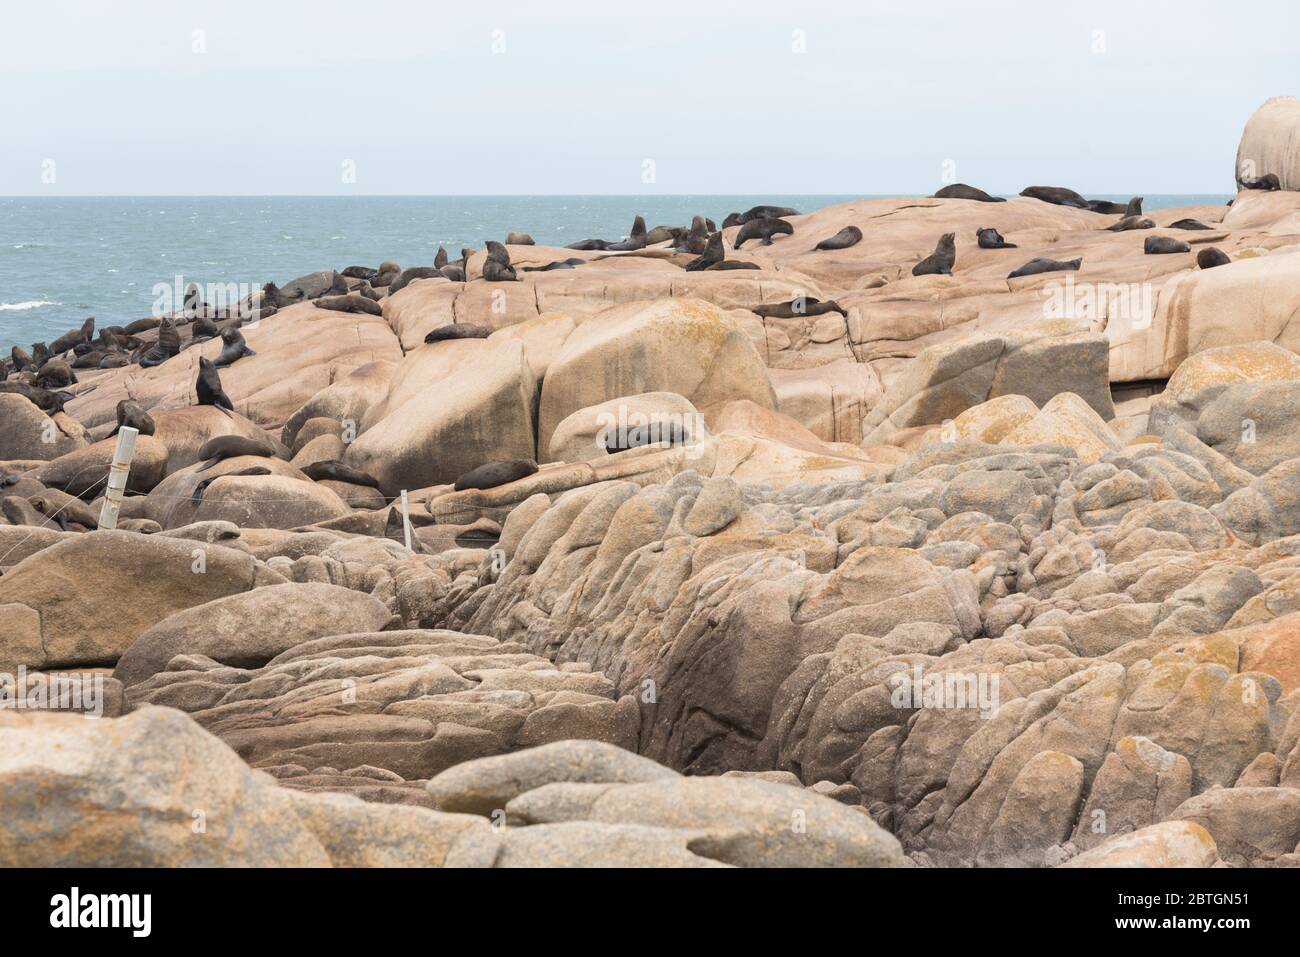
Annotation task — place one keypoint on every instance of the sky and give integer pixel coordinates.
(167, 97)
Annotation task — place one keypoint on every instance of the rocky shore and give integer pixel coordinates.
(953, 531)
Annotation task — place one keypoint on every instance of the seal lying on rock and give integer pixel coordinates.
(73, 337)
(1189, 224)
(45, 400)
(714, 253)
(519, 239)
(759, 212)
(808, 306)
(1132, 222)
(388, 271)
(1161, 245)
(332, 470)
(360, 272)
(233, 348)
(962, 191)
(1042, 264)
(222, 447)
(349, 303)
(941, 261)
(168, 345)
(1056, 195)
(846, 237)
(133, 415)
(458, 330)
(55, 374)
(1268, 182)
(203, 329)
(197, 497)
(409, 276)
(68, 510)
(208, 387)
(497, 267)
(1212, 256)
(990, 238)
(634, 241)
(655, 433)
(496, 473)
(697, 237)
(22, 360)
(589, 245)
(763, 229)
(570, 263)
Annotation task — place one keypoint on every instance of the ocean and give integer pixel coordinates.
(63, 259)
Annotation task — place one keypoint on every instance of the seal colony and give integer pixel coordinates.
(935, 522)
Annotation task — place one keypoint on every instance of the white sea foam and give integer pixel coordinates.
(30, 304)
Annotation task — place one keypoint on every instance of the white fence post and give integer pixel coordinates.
(406, 518)
(117, 474)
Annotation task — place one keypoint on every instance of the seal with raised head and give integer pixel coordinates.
(458, 330)
(409, 276)
(168, 345)
(232, 446)
(440, 257)
(941, 261)
(73, 337)
(1056, 195)
(1040, 264)
(763, 229)
(962, 191)
(496, 473)
(1163, 245)
(1212, 256)
(22, 359)
(697, 237)
(133, 415)
(332, 470)
(990, 238)
(233, 348)
(846, 237)
(388, 271)
(634, 241)
(208, 387)
(714, 253)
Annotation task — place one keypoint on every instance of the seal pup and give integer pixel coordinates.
(962, 191)
(133, 415)
(1267, 182)
(990, 238)
(1162, 245)
(233, 348)
(1132, 222)
(197, 497)
(763, 229)
(1041, 264)
(941, 261)
(208, 387)
(1056, 195)
(332, 470)
(458, 330)
(496, 473)
(168, 345)
(1212, 256)
(808, 307)
(349, 303)
(114, 362)
(714, 253)
(634, 241)
(1188, 224)
(231, 446)
(846, 237)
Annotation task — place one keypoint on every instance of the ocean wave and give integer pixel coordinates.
(30, 304)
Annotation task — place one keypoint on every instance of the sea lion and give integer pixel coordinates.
(233, 348)
(8, 480)
(1268, 182)
(332, 470)
(458, 330)
(941, 261)
(208, 387)
(495, 473)
(133, 415)
(168, 345)
(439, 258)
(589, 245)
(1212, 256)
(763, 229)
(962, 191)
(990, 238)
(46, 400)
(55, 374)
(203, 329)
(232, 446)
(1041, 264)
(366, 291)
(359, 272)
(1188, 224)
(765, 212)
(197, 497)
(846, 237)
(633, 242)
(1056, 195)
(1132, 222)
(808, 306)
(714, 253)
(519, 239)
(349, 303)
(1162, 245)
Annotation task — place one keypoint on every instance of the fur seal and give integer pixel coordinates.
(19, 511)
(496, 271)
(114, 362)
(73, 337)
(197, 497)
(458, 330)
(1212, 256)
(1267, 182)
(359, 272)
(1106, 207)
(846, 237)
(40, 355)
(766, 212)
(233, 348)
(231, 446)
(1188, 224)
(349, 303)
(1132, 222)
(203, 329)
(519, 239)
(55, 374)
(1042, 264)
(168, 345)
(990, 238)
(440, 257)
(22, 359)
(495, 473)
(47, 401)
(133, 415)
(962, 191)
(1056, 195)
(808, 307)
(64, 509)
(9, 480)
(332, 470)
(208, 387)
(714, 253)
(697, 237)
(1161, 245)
(453, 273)
(763, 229)
(571, 263)
(388, 271)
(589, 245)
(655, 433)
(142, 325)
(408, 276)
(88, 360)
(635, 241)
(941, 261)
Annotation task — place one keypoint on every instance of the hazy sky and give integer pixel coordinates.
(570, 96)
